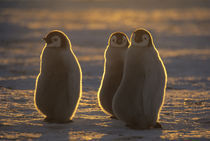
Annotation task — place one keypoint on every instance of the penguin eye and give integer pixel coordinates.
(114, 39)
(55, 42)
(55, 39)
(124, 38)
(145, 37)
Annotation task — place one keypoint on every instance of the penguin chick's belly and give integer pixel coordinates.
(54, 98)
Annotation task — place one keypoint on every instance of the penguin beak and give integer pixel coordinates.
(45, 39)
(119, 41)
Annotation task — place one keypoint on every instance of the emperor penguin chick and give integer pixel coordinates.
(140, 95)
(113, 70)
(58, 85)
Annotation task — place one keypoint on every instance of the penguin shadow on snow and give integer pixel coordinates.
(117, 130)
(111, 128)
(53, 131)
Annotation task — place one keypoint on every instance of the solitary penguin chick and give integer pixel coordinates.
(113, 70)
(58, 85)
(140, 95)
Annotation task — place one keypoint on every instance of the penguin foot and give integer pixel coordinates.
(69, 121)
(63, 122)
(50, 120)
(135, 127)
(158, 125)
(113, 117)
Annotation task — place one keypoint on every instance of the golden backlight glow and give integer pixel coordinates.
(40, 77)
(181, 35)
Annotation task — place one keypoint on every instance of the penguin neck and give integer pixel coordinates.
(138, 46)
(141, 52)
(54, 59)
(115, 52)
(114, 47)
(62, 48)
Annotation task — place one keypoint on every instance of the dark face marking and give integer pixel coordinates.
(48, 39)
(139, 35)
(119, 39)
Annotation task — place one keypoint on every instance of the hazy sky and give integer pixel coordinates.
(83, 4)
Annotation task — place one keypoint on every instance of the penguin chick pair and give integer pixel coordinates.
(138, 97)
(59, 84)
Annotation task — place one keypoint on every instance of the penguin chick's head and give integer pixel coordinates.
(56, 39)
(118, 39)
(142, 38)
